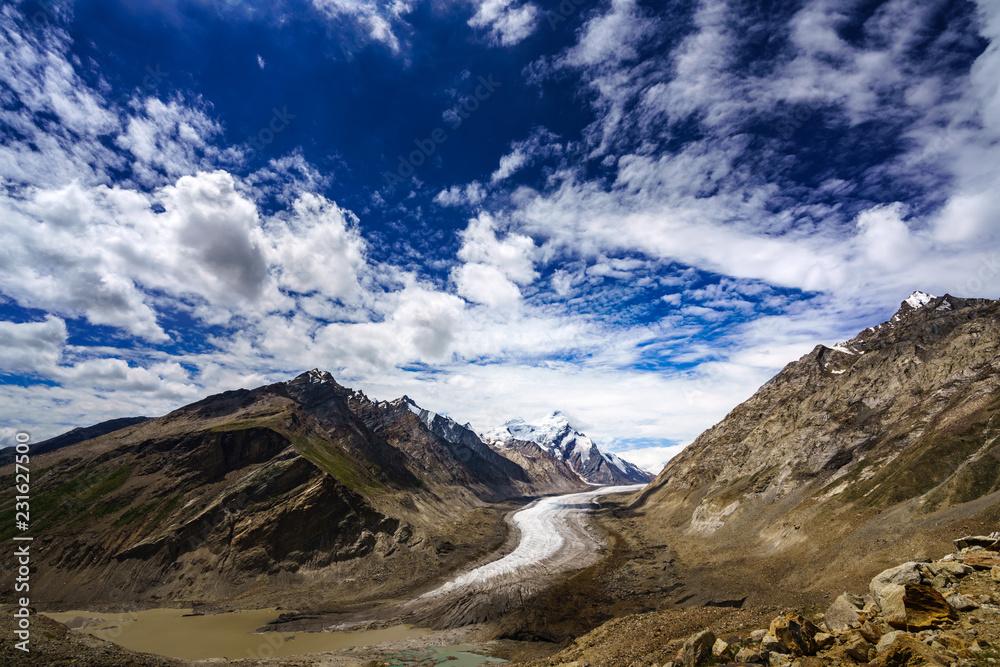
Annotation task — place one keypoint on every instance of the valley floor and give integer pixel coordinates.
(591, 585)
(550, 537)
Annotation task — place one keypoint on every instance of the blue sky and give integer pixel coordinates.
(633, 212)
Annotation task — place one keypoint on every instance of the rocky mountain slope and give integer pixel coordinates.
(539, 465)
(265, 496)
(542, 465)
(558, 438)
(879, 449)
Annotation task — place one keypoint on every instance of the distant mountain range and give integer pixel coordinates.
(555, 436)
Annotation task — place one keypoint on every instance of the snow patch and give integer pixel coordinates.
(919, 299)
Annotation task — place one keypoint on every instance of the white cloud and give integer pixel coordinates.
(540, 144)
(317, 248)
(513, 256)
(32, 346)
(471, 194)
(486, 284)
(37, 74)
(612, 38)
(509, 164)
(508, 23)
(380, 23)
(167, 140)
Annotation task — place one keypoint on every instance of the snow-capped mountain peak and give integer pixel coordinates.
(315, 376)
(556, 435)
(919, 299)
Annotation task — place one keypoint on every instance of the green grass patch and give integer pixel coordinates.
(328, 459)
(75, 499)
(167, 508)
(133, 514)
(148, 516)
(265, 419)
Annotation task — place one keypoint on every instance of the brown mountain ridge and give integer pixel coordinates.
(267, 496)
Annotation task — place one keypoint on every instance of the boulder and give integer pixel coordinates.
(906, 651)
(886, 641)
(751, 655)
(719, 648)
(951, 569)
(943, 575)
(697, 649)
(983, 560)
(893, 607)
(778, 660)
(795, 633)
(881, 585)
(995, 573)
(984, 541)
(856, 647)
(915, 607)
(843, 612)
(870, 631)
(953, 641)
(824, 640)
(962, 603)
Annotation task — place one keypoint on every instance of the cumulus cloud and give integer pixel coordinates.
(486, 284)
(32, 346)
(512, 255)
(317, 249)
(493, 268)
